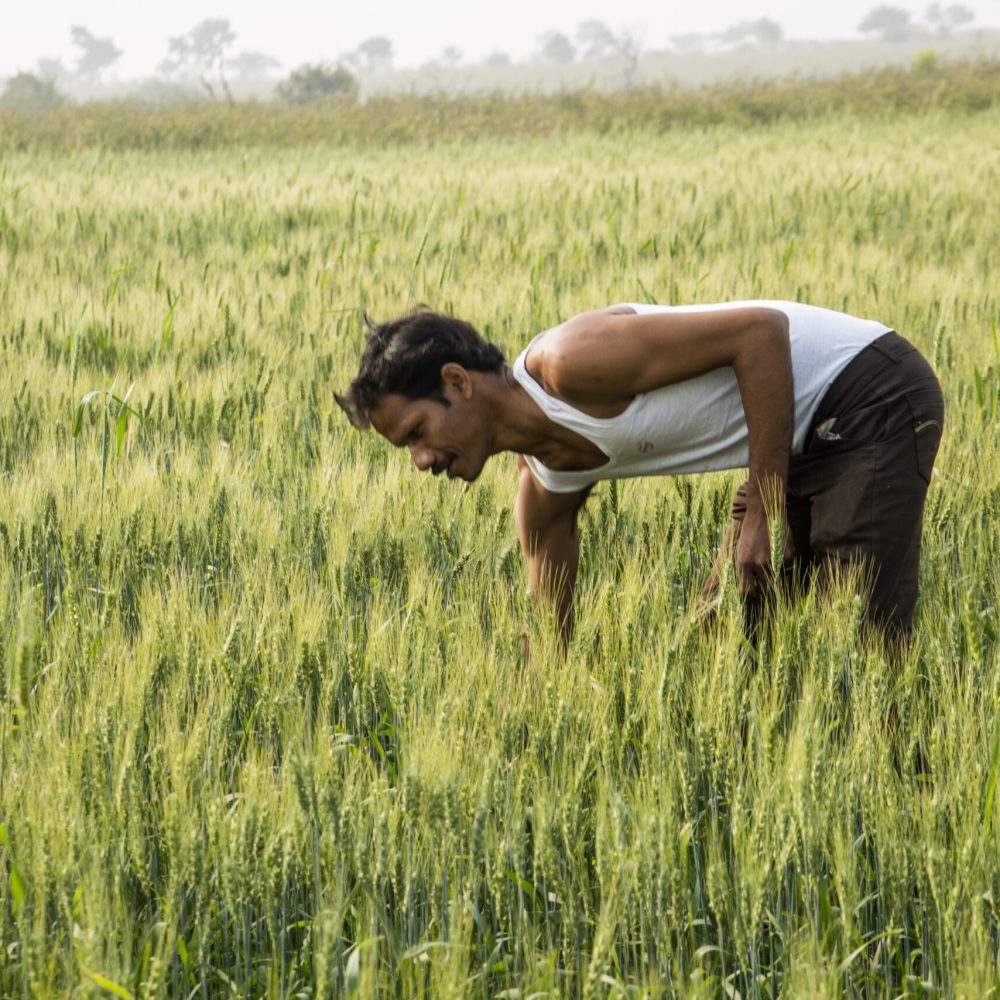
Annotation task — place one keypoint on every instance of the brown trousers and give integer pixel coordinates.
(856, 494)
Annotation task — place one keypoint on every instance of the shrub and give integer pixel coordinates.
(925, 61)
(318, 83)
(29, 91)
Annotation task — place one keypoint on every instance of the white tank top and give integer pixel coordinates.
(698, 425)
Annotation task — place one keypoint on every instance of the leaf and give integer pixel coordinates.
(121, 426)
(846, 964)
(352, 974)
(611, 981)
(185, 958)
(788, 257)
(420, 950)
(525, 886)
(991, 782)
(731, 991)
(686, 833)
(17, 885)
(105, 983)
(78, 419)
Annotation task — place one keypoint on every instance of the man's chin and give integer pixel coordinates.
(454, 473)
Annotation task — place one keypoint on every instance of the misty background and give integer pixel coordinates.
(98, 50)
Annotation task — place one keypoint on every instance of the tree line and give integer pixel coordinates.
(202, 61)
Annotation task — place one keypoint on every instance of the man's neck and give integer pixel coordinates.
(521, 426)
(518, 424)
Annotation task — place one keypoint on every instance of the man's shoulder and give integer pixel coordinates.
(567, 360)
(560, 346)
(579, 330)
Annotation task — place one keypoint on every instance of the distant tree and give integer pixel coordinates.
(252, 65)
(892, 23)
(958, 14)
(450, 56)
(766, 31)
(497, 59)
(689, 44)
(351, 59)
(763, 31)
(734, 34)
(377, 53)
(54, 70)
(25, 90)
(595, 38)
(598, 41)
(201, 54)
(555, 47)
(96, 54)
(316, 82)
(946, 19)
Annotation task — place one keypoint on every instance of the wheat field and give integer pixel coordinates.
(265, 724)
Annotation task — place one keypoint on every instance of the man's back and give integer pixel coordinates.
(698, 425)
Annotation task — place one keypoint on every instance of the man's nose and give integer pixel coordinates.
(423, 458)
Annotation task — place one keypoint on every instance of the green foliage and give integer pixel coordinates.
(27, 92)
(318, 83)
(957, 88)
(267, 729)
(925, 61)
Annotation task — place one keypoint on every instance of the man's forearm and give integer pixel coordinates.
(764, 375)
(552, 567)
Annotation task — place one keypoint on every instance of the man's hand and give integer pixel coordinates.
(753, 556)
(747, 547)
(755, 571)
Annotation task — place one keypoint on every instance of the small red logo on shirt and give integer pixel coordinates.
(646, 446)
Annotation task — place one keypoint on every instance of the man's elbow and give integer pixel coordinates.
(778, 323)
(773, 326)
(768, 337)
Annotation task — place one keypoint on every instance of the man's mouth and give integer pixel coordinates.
(443, 466)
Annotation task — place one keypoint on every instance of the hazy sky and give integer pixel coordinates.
(297, 31)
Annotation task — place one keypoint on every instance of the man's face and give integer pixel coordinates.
(452, 439)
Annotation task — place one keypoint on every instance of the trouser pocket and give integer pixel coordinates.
(926, 407)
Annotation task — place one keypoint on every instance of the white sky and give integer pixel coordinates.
(297, 31)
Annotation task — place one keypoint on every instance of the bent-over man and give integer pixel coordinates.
(837, 419)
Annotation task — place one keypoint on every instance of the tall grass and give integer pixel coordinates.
(269, 732)
(958, 88)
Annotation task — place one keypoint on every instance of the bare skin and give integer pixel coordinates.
(598, 362)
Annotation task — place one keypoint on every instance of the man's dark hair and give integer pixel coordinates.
(405, 356)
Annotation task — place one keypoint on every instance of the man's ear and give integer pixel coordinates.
(356, 417)
(458, 378)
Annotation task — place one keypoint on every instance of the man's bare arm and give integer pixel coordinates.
(764, 376)
(546, 527)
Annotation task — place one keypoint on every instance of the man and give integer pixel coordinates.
(838, 420)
